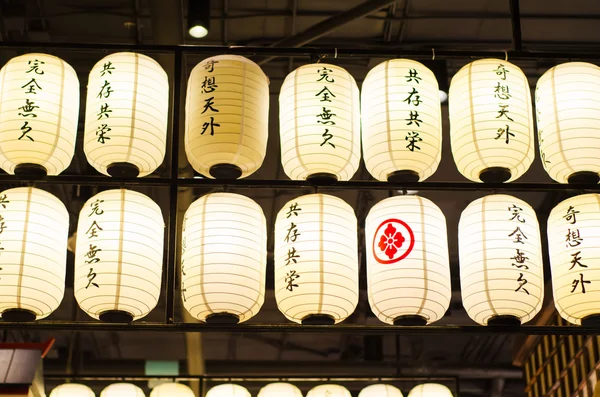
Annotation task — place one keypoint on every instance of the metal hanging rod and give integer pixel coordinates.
(246, 378)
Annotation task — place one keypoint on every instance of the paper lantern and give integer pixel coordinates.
(328, 391)
(430, 390)
(34, 228)
(491, 121)
(122, 390)
(228, 390)
(223, 258)
(280, 389)
(227, 115)
(172, 390)
(72, 390)
(126, 115)
(408, 270)
(500, 257)
(316, 260)
(319, 123)
(380, 391)
(39, 110)
(119, 256)
(573, 233)
(401, 121)
(567, 103)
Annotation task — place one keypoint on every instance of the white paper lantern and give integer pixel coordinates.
(567, 103)
(34, 228)
(39, 109)
(430, 390)
(408, 269)
(122, 390)
(401, 121)
(72, 390)
(501, 271)
(328, 391)
(119, 256)
(316, 260)
(223, 258)
(227, 116)
(172, 390)
(228, 390)
(279, 389)
(573, 240)
(319, 123)
(380, 391)
(126, 115)
(491, 121)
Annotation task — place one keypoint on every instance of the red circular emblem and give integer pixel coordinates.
(393, 241)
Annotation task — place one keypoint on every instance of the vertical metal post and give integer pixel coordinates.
(515, 21)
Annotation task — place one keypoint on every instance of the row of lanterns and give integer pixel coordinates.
(226, 124)
(119, 258)
(279, 389)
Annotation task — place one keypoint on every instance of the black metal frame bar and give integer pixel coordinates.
(258, 378)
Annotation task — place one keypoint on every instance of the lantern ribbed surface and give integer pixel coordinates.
(567, 102)
(408, 270)
(119, 254)
(39, 111)
(172, 390)
(126, 113)
(319, 122)
(500, 257)
(34, 228)
(228, 390)
(430, 390)
(401, 120)
(328, 391)
(316, 258)
(380, 391)
(491, 120)
(227, 115)
(224, 256)
(122, 390)
(279, 389)
(72, 390)
(573, 242)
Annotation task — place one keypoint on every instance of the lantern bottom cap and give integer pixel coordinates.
(504, 321)
(123, 170)
(322, 178)
(591, 321)
(495, 175)
(318, 319)
(225, 171)
(584, 177)
(19, 315)
(115, 316)
(403, 176)
(410, 320)
(30, 170)
(222, 318)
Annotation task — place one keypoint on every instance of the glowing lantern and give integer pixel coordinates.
(34, 229)
(39, 109)
(172, 390)
(228, 390)
(227, 114)
(430, 390)
(119, 256)
(401, 121)
(500, 257)
(319, 123)
(122, 390)
(280, 389)
(328, 391)
(72, 390)
(408, 270)
(380, 391)
(224, 258)
(491, 121)
(126, 115)
(316, 260)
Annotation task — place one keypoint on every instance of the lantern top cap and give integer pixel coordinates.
(488, 61)
(231, 57)
(129, 54)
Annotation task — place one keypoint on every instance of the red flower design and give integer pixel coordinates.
(390, 241)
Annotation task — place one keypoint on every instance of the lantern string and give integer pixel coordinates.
(433, 54)
(505, 56)
(335, 53)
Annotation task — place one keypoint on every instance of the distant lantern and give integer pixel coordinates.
(126, 115)
(319, 123)
(573, 242)
(380, 391)
(401, 121)
(119, 256)
(172, 390)
(227, 117)
(228, 390)
(329, 391)
(223, 258)
(491, 121)
(500, 257)
(72, 390)
(408, 269)
(279, 389)
(39, 109)
(316, 260)
(430, 390)
(34, 228)
(122, 390)
(567, 103)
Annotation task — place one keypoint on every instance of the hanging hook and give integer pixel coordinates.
(505, 56)
(433, 54)
(335, 53)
